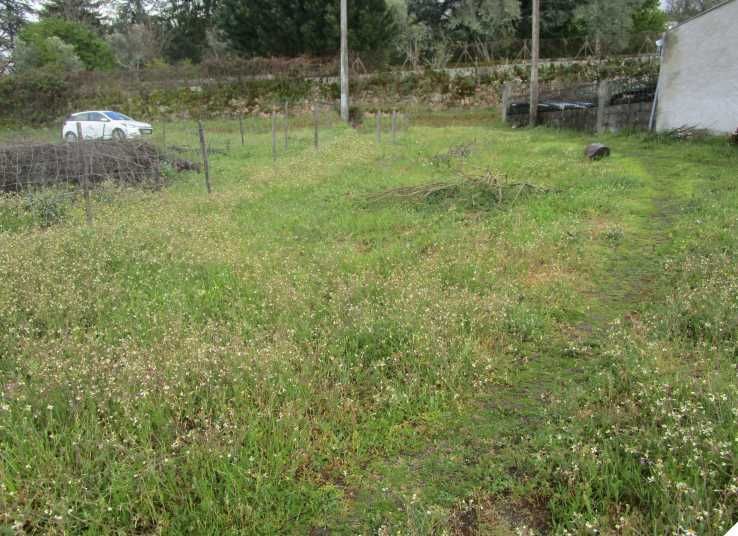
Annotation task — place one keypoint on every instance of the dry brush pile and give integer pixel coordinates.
(488, 190)
(26, 166)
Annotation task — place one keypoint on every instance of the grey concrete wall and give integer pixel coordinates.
(699, 73)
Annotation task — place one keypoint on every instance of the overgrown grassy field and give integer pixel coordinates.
(291, 355)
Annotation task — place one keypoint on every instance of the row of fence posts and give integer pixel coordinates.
(87, 159)
(396, 118)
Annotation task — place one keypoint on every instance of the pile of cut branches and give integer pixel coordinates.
(475, 191)
(46, 164)
(686, 132)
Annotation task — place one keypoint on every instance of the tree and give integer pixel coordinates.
(434, 14)
(485, 19)
(136, 45)
(558, 19)
(186, 24)
(295, 27)
(414, 38)
(50, 52)
(609, 23)
(89, 47)
(680, 10)
(13, 15)
(78, 11)
(649, 18)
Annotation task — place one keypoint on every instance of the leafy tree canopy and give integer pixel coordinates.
(80, 11)
(89, 47)
(295, 27)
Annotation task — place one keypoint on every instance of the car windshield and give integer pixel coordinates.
(115, 116)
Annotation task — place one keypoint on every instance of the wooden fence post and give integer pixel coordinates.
(85, 174)
(204, 148)
(286, 124)
(394, 126)
(603, 96)
(316, 121)
(506, 92)
(274, 134)
(240, 126)
(379, 127)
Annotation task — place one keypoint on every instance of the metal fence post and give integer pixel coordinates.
(394, 126)
(240, 126)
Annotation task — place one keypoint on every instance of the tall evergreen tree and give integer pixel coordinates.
(186, 25)
(294, 27)
(85, 12)
(13, 15)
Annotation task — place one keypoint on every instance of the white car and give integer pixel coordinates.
(104, 125)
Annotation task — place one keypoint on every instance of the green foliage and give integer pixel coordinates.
(52, 53)
(323, 365)
(186, 27)
(38, 96)
(295, 27)
(84, 12)
(91, 49)
(649, 17)
(485, 19)
(608, 22)
(39, 209)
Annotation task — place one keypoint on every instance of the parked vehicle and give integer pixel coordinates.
(104, 125)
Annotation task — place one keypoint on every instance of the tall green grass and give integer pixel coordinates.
(283, 357)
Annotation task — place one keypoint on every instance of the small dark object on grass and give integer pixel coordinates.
(597, 151)
(184, 165)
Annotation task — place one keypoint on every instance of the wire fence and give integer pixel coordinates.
(44, 178)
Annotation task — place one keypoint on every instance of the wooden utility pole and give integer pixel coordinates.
(535, 54)
(344, 62)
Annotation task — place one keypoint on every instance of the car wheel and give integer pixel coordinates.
(119, 135)
(70, 137)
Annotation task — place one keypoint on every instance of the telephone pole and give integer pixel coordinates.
(534, 57)
(344, 62)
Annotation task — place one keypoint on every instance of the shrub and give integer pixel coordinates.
(91, 49)
(50, 52)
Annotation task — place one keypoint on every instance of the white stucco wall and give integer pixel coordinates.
(698, 84)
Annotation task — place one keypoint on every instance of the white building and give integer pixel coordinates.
(698, 83)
